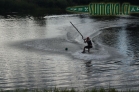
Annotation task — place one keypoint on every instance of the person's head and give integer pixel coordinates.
(88, 38)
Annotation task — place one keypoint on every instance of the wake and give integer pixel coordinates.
(63, 36)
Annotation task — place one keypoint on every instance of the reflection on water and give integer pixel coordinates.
(125, 41)
(32, 53)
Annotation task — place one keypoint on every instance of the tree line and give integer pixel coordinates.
(47, 6)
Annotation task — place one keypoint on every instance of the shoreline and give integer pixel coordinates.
(101, 89)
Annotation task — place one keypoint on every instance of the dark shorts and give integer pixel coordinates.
(88, 47)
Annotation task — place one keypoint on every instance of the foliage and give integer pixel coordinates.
(66, 90)
(45, 6)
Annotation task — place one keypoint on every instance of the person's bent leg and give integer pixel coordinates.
(88, 49)
(84, 49)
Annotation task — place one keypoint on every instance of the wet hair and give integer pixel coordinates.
(88, 38)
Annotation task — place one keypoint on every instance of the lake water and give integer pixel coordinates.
(33, 55)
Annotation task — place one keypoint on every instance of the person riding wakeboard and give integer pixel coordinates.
(89, 44)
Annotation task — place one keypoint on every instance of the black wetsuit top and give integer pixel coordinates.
(89, 43)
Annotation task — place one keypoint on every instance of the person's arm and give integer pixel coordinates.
(84, 40)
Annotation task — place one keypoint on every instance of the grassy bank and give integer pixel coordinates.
(32, 7)
(68, 90)
(46, 7)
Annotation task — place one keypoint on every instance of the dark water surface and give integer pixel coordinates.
(32, 52)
